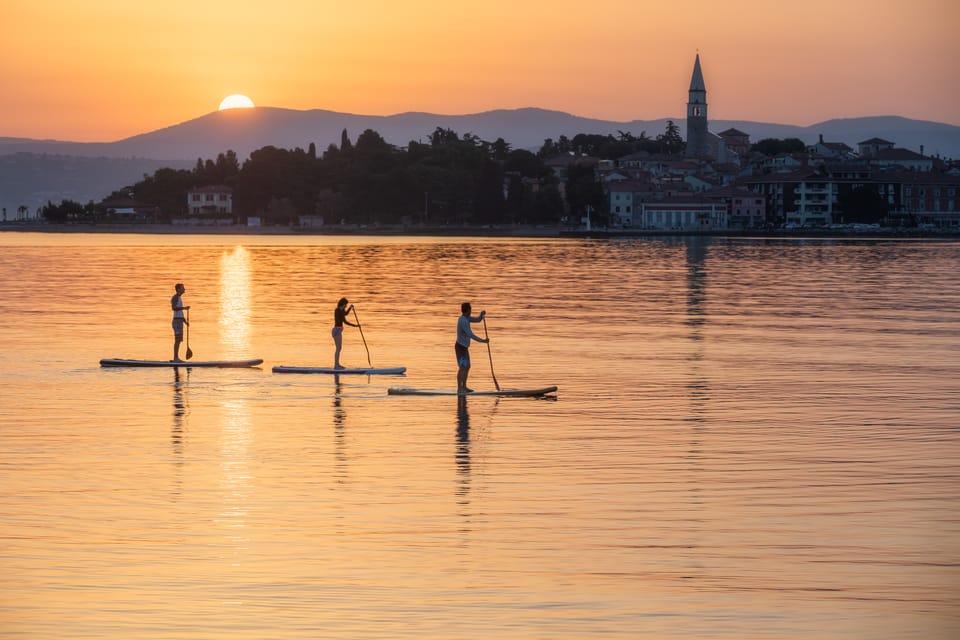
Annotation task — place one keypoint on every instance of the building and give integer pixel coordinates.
(745, 209)
(700, 142)
(737, 142)
(928, 198)
(830, 150)
(212, 201)
(869, 148)
(683, 214)
(802, 198)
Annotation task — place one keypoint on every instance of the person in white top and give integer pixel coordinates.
(176, 303)
(464, 335)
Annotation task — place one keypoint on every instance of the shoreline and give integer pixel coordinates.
(518, 231)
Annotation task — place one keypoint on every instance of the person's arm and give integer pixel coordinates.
(483, 314)
(345, 314)
(476, 337)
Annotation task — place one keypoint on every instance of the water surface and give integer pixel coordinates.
(752, 439)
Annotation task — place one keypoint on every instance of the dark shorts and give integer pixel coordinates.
(178, 327)
(463, 355)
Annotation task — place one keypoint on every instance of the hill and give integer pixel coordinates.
(34, 171)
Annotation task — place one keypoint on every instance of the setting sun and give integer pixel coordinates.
(236, 101)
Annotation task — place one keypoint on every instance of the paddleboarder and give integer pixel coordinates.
(176, 303)
(464, 335)
(340, 319)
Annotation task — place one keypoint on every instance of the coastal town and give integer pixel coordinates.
(721, 184)
(708, 183)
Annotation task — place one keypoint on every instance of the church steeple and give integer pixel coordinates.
(696, 82)
(697, 113)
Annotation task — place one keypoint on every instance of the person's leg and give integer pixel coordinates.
(463, 368)
(338, 341)
(177, 339)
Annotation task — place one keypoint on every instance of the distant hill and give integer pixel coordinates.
(29, 180)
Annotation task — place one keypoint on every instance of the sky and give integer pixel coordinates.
(104, 70)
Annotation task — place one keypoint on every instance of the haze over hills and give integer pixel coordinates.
(85, 171)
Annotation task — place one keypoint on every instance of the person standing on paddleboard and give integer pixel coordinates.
(464, 335)
(176, 303)
(340, 319)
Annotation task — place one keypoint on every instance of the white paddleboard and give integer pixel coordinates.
(406, 391)
(370, 371)
(122, 362)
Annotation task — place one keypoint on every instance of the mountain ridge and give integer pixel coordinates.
(527, 127)
(33, 171)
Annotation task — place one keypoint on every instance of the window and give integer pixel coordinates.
(195, 197)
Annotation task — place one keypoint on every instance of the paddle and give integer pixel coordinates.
(490, 354)
(189, 353)
(357, 318)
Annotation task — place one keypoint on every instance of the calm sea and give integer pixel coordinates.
(751, 439)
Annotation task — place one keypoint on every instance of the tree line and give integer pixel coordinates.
(447, 179)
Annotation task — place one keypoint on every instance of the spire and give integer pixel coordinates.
(696, 82)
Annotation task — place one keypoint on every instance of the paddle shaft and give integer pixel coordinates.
(490, 354)
(357, 318)
(189, 353)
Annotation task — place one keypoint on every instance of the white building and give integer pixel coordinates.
(210, 200)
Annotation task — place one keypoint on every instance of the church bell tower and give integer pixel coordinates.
(697, 114)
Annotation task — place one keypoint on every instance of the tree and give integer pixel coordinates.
(584, 190)
(776, 146)
(670, 141)
(863, 204)
(490, 200)
(66, 211)
(345, 145)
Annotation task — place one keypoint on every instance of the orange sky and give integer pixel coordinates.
(103, 70)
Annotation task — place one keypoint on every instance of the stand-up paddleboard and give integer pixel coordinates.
(370, 371)
(405, 391)
(122, 362)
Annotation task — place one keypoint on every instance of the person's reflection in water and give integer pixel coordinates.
(181, 409)
(462, 456)
(339, 431)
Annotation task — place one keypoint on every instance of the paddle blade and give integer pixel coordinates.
(490, 354)
(189, 353)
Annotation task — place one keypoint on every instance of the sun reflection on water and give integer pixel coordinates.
(235, 301)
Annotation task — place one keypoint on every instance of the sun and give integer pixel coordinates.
(236, 101)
